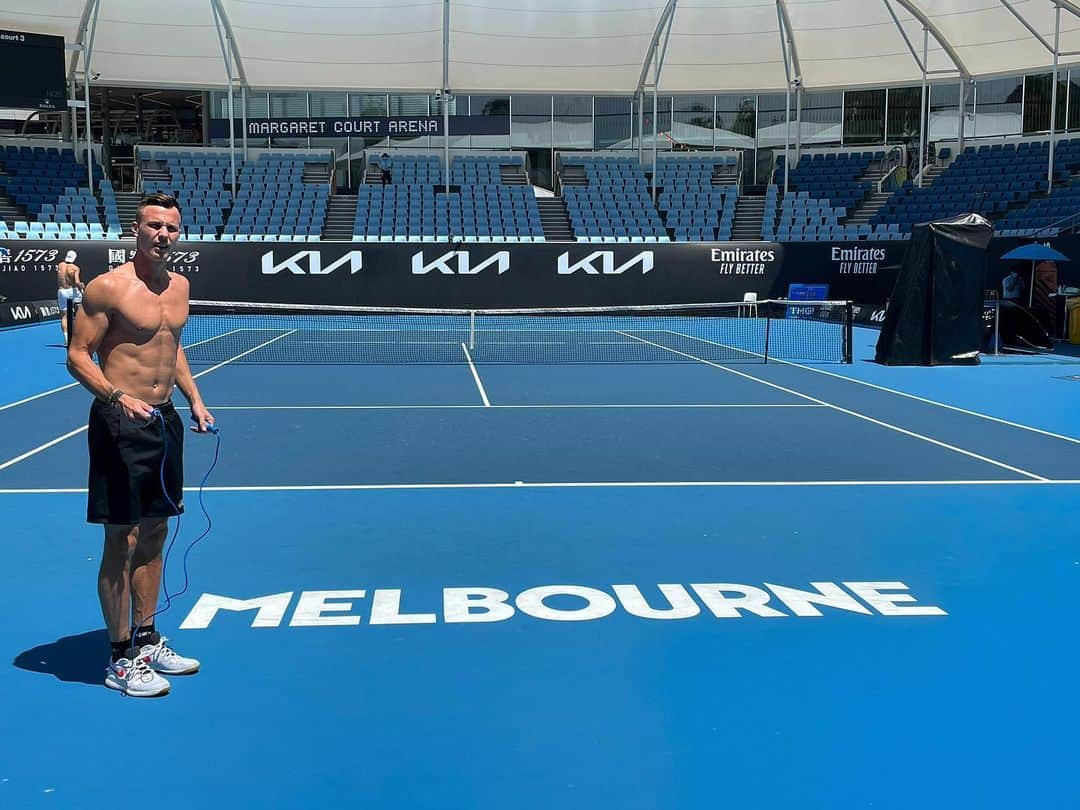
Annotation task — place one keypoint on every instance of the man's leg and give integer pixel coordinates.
(113, 578)
(127, 672)
(146, 573)
(146, 568)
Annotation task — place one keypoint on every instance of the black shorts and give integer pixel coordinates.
(126, 465)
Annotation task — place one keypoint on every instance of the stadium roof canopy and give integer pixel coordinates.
(559, 46)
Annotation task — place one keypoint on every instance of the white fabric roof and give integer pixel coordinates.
(559, 46)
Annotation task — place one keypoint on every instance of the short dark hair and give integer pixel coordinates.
(159, 200)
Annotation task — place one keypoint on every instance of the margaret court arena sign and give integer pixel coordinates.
(399, 126)
(480, 275)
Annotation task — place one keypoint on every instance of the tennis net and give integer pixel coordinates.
(815, 331)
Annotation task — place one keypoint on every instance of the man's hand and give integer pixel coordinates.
(135, 409)
(202, 418)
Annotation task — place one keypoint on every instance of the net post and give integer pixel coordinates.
(472, 329)
(997, 327)
(849, 330)
(768, 321)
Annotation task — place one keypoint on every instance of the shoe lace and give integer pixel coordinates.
(139, 669)
(163, 650)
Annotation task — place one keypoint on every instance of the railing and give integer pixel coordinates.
(1073, 219)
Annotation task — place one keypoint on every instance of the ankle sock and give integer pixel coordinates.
(121, 649)
(145, 635)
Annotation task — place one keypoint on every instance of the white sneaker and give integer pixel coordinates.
(135, 678)
(163, 658)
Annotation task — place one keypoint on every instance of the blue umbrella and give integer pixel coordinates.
(1035, 253)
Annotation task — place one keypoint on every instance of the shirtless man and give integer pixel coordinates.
(132, 318)
(69, 287)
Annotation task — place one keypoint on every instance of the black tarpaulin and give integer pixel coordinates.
(935, 311)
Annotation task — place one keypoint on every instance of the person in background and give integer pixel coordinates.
(69, 287)
(1012, 287)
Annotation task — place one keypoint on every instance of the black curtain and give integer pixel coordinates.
(935, 311)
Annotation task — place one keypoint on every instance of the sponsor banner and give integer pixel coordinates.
(868, 315)
(863, 272)
(491, 275)
(20, 313)
(483, 276)
(400, 126)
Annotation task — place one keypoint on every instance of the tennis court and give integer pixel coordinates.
(537, 567)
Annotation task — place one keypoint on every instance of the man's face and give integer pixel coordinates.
(156, 232)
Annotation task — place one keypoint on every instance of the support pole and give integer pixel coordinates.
(232, 125)
(787, 135)
(1053, 95)
(963, 105)
(87, 53)
(243, 120)
(89, 132)
(73, 116)
(226, 54)
(655, 135)
(446, 97)
(924, 111)
(641, 130)
(798, 124)
(785, 48)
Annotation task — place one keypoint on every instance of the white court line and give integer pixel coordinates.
(476, 376)
(850, 412)
(1005, 482)
(45, 446)
(477, 407)
(915, 397)
(79, 430)
(74, 384)
(38, 396)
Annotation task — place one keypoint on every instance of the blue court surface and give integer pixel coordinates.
(694, 584)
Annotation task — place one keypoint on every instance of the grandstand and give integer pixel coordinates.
(726, 167)
(604, 197)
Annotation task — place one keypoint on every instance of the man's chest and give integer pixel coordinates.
(143, 312)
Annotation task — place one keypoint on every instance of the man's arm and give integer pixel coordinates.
(186, 383)
(91, 324)
(78, 278)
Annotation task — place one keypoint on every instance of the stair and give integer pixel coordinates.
(725, 176)
(573, 176)
(513, 175)
(10, 212)
(127, 203)
(340, 218)
(749, 212)
(316, 173)
(867, 208)
(930, 174)
(555, 220)
(157, 171)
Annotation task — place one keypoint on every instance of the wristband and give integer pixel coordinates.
(114, 396)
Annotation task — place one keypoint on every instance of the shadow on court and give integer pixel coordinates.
(74, 659)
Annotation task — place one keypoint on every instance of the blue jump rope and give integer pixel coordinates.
(176, 531)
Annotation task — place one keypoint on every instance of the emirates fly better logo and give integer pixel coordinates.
(857, 261)
(740, 261)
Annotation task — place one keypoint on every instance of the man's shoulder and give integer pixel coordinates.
(179, 280)
(107, 285)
